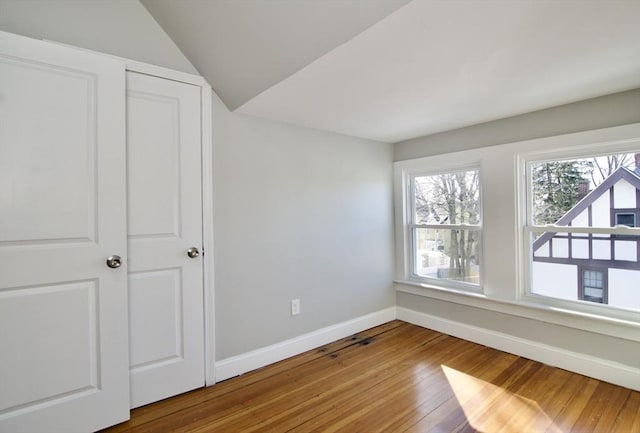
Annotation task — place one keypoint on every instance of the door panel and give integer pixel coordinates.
(65, 180)
(156, 333)
(153, 130)
(62, 317)
(164, 220)
(63, 312)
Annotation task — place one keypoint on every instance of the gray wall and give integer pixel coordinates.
(118, 27)
(298, 213)
(606, 111)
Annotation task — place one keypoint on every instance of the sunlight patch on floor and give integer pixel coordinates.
(489, 408)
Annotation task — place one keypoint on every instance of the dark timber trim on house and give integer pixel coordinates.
(585, 204)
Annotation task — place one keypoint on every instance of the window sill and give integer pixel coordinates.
(615, 327)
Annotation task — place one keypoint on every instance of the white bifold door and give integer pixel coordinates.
(63, 310)
(101, 261)
(166, 331)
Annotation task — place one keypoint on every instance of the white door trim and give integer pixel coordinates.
(207, 234)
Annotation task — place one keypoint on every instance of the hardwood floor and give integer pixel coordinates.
(398, 378)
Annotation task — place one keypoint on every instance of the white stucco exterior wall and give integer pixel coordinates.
(555, 280)
(624, 288)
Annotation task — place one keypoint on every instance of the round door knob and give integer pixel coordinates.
(193, 252)
(114, 261)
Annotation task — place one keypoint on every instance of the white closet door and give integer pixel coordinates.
(63, 312)
(164, 221)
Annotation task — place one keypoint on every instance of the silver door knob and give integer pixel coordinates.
(114, 261)
(193, 252)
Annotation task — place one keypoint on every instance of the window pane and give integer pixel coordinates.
(592, 280)
(451, 198)
(447, 254)
(564, 191)
(593, 295)
(563, 264)
(625, 219)
(596, 192)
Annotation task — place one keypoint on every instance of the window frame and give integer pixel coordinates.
(617, 211)
(605, 283)
(410, 228)
(529, 229)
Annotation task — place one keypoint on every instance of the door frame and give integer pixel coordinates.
(206, 112)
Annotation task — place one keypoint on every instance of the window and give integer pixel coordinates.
(624, 219)
(593, 287)
(549, 209)
(581, 235)
(445, 229)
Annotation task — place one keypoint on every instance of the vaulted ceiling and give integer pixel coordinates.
(391, 70)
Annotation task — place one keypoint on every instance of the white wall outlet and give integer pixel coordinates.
(295, 307)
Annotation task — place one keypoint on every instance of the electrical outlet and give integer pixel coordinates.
(295, 307)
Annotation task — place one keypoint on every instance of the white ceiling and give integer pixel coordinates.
(426, 67)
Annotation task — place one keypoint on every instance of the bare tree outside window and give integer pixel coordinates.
(603, 166)
(448, 208)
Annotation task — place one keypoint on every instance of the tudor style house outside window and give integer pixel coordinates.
(582, 217)
(445, 228)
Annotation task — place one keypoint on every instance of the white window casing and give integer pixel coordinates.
(576, 226)
(414, 226)
(406, 194)
(506, 229)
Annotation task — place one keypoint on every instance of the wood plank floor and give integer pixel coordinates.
(398, 378)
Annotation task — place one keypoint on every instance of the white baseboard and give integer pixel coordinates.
(602, 369)
(236, 365)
